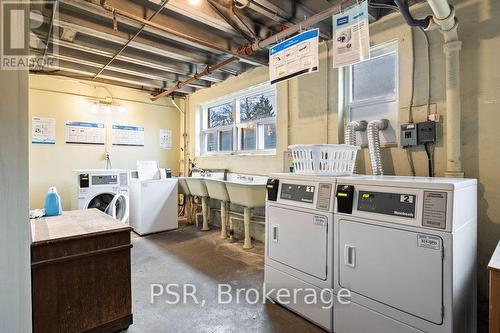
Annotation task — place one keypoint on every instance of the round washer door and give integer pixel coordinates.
(101, 201)
(119, 208)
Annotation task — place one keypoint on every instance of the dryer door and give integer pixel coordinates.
(398, 268)
(298, 239)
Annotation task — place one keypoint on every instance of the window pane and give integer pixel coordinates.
(211, 141)
(269, 136)
(248, 138)
(220, 115)
(381, 71)
(226, 140)
(257, 107)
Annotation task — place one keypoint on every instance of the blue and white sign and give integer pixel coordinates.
(295, 56)
(351, 43)
(43, 130)
(85, 133)
(125, 135)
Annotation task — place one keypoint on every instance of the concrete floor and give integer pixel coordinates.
(203, 259)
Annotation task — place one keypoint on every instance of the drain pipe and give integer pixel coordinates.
(373, 131)
(444, 18)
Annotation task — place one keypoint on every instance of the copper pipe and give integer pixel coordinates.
(206, 71)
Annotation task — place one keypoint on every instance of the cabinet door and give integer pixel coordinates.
(399, 268)
(298, 239)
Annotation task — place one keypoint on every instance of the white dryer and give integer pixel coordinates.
(299, 243)
(406, 249)
(106, 190)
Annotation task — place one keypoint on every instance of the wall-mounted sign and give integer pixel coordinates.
(165, 139)
(85, 133)
(43, 130)
(351, 36)
(123, 135)
(295, 56)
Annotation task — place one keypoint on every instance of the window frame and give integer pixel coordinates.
(346, 102)
(237, 125)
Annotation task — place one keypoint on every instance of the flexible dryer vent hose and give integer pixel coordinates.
(373, 129)
(350, 131)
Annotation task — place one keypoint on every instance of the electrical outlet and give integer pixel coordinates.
(426, 132)
(408, 135)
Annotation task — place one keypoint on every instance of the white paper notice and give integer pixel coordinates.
(85, 133)
(43, 130)
(165, 139)
(122, 135)
(351, 43)
(295, 56)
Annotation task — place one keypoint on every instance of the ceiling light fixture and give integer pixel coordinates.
(194, 2)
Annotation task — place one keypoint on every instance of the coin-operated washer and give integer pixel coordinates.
(406, 249)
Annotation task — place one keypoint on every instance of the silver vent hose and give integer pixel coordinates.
(373, 129)
(350, 131)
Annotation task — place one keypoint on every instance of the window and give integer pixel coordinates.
(370, 90)
(241, 123)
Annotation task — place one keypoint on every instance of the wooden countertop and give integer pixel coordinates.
(495, 259)
(73, 224)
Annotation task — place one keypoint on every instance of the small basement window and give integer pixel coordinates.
(370, 90)
(240, 123)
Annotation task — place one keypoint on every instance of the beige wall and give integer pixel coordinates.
(66, 100)
(309, 106)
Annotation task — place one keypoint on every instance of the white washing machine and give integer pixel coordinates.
(106, 190)
(406, 249)
(299, 242)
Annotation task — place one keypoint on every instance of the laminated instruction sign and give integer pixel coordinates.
(43, 130)
(295, 56)
(123, 135)
(85, 133)
(351, 36)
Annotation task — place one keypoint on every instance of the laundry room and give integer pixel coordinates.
(249, 166)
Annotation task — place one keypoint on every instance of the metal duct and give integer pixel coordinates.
(350, 131)
(373, 129)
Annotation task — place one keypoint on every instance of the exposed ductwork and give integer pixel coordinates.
(373, 131)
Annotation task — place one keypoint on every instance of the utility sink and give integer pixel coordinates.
(247, 191)
(196, 186)
(217, 189)
(183, 186)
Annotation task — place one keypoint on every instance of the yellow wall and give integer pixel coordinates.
(65, 100)
(308, 107)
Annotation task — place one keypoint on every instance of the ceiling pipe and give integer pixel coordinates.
(405, 11)
(206, 44)
(206, 71)
(131, 39)
(256, 46)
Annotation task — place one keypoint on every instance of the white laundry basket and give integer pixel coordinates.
(327, 160)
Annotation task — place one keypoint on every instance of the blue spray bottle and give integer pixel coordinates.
(53, 203)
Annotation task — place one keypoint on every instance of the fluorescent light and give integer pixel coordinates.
(194, 2)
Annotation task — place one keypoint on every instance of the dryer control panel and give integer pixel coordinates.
(398, 204)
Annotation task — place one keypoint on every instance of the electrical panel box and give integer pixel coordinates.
(426, 132)
(408, 136)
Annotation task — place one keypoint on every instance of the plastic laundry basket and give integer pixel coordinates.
(327, 160)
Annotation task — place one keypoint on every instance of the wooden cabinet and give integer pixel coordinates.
(81, 274)
(494, 270)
